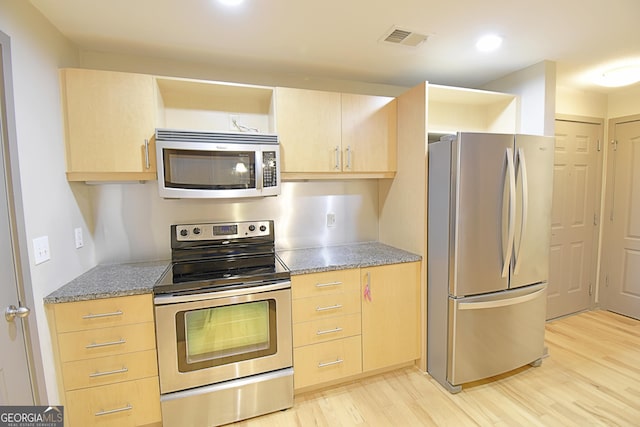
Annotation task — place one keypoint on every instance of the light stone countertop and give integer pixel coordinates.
(112, 280)
(315, 260)
(115, 280)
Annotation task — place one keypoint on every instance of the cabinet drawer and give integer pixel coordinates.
(326, 306)
(108, 370)
(102, 313)
(106, 341)
(322, 330)
(330, 282)
(130, 403)
(318, 363)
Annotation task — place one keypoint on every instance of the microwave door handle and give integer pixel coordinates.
(259, 166)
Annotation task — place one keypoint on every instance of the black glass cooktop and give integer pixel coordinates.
(192, 277)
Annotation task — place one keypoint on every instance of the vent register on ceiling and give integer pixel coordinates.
(404, 37)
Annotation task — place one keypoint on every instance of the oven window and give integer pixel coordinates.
(216, 336)
(209, 170)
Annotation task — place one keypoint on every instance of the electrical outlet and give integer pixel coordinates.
(78, 236)
(331, 219)
(41, 249)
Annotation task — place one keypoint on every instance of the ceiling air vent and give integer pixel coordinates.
(404, 37)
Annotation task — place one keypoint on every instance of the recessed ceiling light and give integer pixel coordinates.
(619, 76)
(488, 43)
(231, 2)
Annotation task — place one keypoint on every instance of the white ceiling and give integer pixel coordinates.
(340, 39)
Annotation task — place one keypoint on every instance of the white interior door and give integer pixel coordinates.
(15, 383)
(621, 290)
(572, 262)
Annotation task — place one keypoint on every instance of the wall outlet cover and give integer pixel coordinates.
(331, 219)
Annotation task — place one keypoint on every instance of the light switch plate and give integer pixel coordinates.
(41, 249)
(78, 236)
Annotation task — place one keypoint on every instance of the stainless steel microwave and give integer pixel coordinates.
(196, 164)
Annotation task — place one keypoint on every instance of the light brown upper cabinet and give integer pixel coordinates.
(110, 119)
(327, 133)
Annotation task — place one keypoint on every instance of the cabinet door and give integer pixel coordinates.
(390, 315)
(108, 118)
(308, 124)
(369, 133)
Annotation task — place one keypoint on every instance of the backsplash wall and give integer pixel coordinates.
(131, 222)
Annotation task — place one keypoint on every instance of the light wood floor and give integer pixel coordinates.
(591, 378)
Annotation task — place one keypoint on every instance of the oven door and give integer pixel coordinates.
(219, 336)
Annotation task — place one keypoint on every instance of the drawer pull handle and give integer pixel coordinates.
(98, 316)
(330, 307)
(113, 411)
(334, 362)
(329, 331)
(101, 374)
(106, 344)
(324, 285)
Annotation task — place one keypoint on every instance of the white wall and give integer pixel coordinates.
(624, 102)
(536, 86)
(583, 103)
(51, 206)
(227, 73)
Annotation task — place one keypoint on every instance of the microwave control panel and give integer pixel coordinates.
(269, 169)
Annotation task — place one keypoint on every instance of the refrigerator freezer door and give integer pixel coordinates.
(534, 182)
(495, 333)
(480, 175)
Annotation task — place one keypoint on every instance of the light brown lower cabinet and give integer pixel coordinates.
(339, 331)
(328, 361)
(106, 363)
(128, 403)
(391, 316)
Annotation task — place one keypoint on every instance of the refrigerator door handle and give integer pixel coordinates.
(499, 303)
(525, 206)
(511, 232)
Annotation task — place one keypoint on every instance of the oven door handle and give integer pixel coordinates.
(172, 299)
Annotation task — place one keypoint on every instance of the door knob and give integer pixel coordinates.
(12, 312)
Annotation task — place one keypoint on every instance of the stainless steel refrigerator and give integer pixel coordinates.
(489, 227)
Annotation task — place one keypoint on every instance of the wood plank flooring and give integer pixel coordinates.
(590, 378)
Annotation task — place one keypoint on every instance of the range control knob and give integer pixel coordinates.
(184, 232)
(196, 230)
(252, 227)
(263, 228)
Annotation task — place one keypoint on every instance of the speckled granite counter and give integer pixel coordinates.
(314, 260)
(106, 281)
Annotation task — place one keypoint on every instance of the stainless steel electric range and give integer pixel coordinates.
(223, 325)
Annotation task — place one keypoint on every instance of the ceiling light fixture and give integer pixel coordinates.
(619, 76)
(231, 2)
(488, 43)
